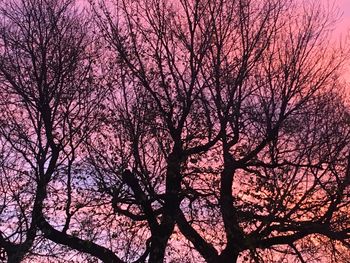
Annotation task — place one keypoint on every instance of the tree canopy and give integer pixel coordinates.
(173, 131)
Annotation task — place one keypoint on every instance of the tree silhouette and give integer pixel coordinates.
(47, 99)
(164, 131)
(237, 91)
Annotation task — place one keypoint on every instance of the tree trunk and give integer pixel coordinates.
(230, 257)
(172, 202)
(15, 256)
(159, 244)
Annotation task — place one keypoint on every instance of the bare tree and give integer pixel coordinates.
(156, 118)
(284, 148)
(220, 103)
(204, 131)
(48, 99)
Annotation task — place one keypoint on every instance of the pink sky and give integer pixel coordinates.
(344, 8)
(342, 30)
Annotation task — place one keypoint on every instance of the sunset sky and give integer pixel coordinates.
(344, 7)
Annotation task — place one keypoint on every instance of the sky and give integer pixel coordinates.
(344, 8)
(342, 31)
